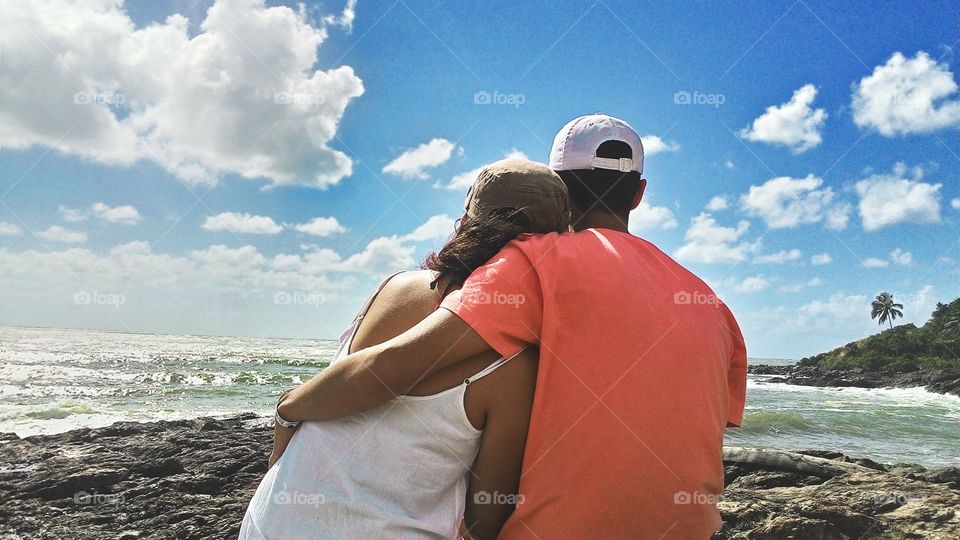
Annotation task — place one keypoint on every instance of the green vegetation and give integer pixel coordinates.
(901, 349)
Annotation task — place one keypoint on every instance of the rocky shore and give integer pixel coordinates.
(193, 478)
(939, 381)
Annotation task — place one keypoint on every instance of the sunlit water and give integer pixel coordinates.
(53, 380)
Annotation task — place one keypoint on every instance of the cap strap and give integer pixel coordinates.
(614, 164)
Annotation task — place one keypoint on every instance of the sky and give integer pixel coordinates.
(236, 167)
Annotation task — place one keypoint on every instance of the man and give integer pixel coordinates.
(641, 366)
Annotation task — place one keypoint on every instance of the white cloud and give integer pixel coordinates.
(72, 215)
(838, 307)
(889, 199)
(243, 96)
(346, 17)
(797, 287)
(414, 162)
(907, 95)
(786, 202)
(874, 262)
(463, 181)
(241, 223)
(709, 242)
(794, 124)
(384, 254)
(9, 229)
(729, 164)
(752, 284)
(57, 233)
(717, 203)
(126, 215)
(821, 259)
(955, 203)
(779, 257)
(215, 290)
(653, 144)
(438, 227)
(901, 257)
(838, 216)
(321, 226)
(647, 218)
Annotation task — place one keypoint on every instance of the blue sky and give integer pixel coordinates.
(163, 165)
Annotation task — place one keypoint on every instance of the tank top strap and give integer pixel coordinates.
(346, 339)
(489, 369)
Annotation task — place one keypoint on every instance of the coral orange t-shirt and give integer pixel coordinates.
(641, 369)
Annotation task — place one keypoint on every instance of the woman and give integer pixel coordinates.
(451, 449)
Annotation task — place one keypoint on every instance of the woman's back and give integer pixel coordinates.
(399, 470)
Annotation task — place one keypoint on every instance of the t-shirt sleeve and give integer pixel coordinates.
(736, 375)
(502, 301)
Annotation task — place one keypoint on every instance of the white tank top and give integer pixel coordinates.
(397, 471)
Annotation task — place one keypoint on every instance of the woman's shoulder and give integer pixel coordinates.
(404, 300)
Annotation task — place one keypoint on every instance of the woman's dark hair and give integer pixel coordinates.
(475, 242)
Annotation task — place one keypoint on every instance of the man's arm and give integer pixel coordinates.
(375, 375)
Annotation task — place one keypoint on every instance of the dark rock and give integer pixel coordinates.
(808, 374)
(193, 479)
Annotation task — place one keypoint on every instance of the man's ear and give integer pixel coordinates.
(639, 196)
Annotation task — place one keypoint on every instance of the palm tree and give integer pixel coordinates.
(884, 308)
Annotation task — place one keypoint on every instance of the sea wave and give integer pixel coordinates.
(774, 422)
(54, 411)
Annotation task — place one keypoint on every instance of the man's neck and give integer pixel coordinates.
(598, 220)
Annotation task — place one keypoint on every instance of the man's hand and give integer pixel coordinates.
(281, 438)
(373, 376)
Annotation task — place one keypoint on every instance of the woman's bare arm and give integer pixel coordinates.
(495, 475)
(369, 378)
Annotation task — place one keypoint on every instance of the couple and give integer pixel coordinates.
(532, 382)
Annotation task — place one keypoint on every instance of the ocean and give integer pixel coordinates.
(54, 380)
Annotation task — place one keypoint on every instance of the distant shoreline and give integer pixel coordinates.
(933, 380)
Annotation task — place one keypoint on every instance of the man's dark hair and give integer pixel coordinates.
(602, 190)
